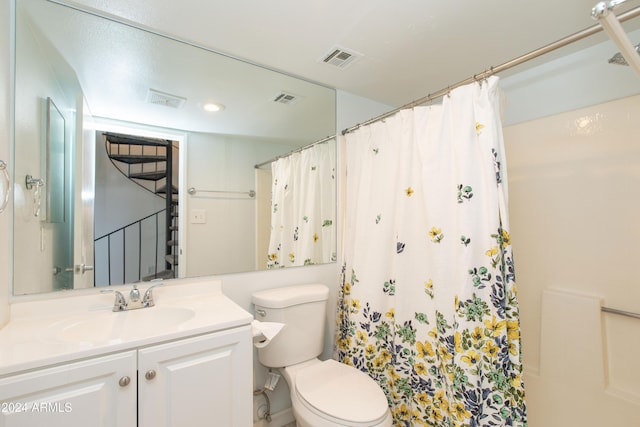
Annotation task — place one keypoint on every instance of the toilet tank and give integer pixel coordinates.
(302, 309)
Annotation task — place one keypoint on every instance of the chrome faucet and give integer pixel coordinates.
(121, 303)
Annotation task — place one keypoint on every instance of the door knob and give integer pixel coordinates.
(150, 374)
(124, 381)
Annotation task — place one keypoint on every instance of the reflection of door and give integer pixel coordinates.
(83, 215)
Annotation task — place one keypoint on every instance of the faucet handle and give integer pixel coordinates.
(147, 299)
(120, 303)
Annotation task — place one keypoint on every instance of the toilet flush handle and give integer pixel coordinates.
(260, 312)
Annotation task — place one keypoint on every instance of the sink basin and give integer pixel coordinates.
(125, 325)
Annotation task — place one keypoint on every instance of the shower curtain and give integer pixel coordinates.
(427, 303)
(303, 208)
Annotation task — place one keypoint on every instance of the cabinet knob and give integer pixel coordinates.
(124, 381)
(151, 374)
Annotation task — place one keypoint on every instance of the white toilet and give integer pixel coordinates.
(323, 393)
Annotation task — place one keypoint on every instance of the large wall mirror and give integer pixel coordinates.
(155, 183)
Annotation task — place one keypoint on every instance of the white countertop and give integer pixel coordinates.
(50, 331)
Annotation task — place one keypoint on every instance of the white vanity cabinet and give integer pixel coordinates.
(85, 393)
(203, 380)
(73, 362)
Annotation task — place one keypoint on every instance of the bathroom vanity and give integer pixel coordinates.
(74, 362)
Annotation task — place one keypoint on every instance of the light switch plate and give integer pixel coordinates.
(198, 216)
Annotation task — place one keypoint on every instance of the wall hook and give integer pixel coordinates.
(6, 182)
(30, 182)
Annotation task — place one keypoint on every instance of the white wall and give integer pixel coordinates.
(353, 109)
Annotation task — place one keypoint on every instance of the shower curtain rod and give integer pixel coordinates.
(297, 150)
(630, 14)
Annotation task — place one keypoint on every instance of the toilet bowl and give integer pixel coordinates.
(331, 394)
(323, 393)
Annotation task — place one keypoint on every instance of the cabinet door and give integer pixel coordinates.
(86, 393)
(200, 381)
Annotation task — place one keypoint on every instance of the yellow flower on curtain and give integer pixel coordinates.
(444, 354)
(403, 413)
(435, 415)
(393, 375)
(391, 314)
(506, 238)
(492, 252)
(494, 326)
(436, 234)
(424, 349)
(423, 398)
(457, 340)
(513, 330)
(460, 412)
(491, 349)
(347, 288)
(344, 343)
(440, 402)
(471, 358)
(517, 381)
(420, 368)
(477, 335)
(378, 363)
(428, 288)
(370, 351)
(514, 349)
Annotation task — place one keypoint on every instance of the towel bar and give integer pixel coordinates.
(620, 312)
(193, 191)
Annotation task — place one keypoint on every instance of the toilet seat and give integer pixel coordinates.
(341, 394)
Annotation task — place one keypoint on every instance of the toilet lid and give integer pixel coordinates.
(342, 392)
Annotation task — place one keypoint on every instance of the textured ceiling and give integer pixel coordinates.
(410, 47)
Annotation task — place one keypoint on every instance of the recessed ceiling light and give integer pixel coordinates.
(213, 107)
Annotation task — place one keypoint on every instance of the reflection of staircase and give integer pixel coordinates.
(152, 164)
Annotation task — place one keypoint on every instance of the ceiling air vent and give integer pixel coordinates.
(161, 98)
(341, 57)
(286, 98)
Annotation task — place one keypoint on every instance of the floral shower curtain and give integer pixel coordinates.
(428, 302)
(303, 208)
